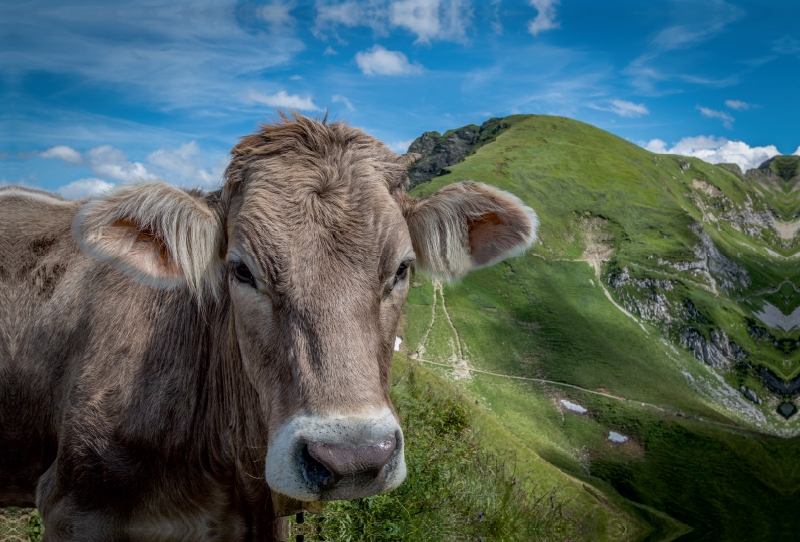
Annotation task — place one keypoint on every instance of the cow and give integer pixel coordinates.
(174, 364)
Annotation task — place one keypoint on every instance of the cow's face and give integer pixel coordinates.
(314, 238)
(318, 260)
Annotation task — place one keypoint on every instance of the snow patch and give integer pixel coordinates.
(573, 406)
(619, 438)
(774, 317)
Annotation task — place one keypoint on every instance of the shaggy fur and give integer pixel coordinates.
(135, 407)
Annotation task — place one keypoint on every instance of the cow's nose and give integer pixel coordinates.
(324, 465)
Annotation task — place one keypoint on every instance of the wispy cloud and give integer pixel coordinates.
(738, 105)
(338, 98)
(716, 150)
(281, 99)
(497, 26)
(623, 108)
(278, 15)
(726, 118)
(69, 155)
(709, 18)
(379, 61)
(400, 147)
(429, 20)
(787, 45)
(171, 64)
(546, 18)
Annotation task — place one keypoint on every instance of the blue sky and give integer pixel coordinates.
(99, 93)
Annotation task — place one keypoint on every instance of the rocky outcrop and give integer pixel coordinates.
(779, 385)
(441, 151)
(717, 352)
(748, 220)
(648, 301)
(717, 269)
(750, 395)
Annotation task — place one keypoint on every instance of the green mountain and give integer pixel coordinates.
(649, 344)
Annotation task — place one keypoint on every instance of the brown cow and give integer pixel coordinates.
(228, 344)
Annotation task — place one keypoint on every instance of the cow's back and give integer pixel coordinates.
(36, 251)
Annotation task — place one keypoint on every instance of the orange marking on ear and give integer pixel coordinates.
(144, 235)
(483, 230)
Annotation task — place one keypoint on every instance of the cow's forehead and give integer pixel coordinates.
(340, 220)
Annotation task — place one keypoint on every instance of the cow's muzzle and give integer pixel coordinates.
(330, 458)
(327, 466)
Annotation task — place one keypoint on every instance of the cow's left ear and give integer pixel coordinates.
(467, 225)
(157, 233)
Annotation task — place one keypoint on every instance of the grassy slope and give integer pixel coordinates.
(545, 316)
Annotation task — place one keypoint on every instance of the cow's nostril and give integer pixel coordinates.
(361, 464)
(316, 473)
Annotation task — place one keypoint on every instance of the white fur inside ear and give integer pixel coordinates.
(154, 232)
(466, 226)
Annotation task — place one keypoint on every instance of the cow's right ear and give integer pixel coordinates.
(157, 233)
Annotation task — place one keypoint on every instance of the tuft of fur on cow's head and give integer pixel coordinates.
(311, 238)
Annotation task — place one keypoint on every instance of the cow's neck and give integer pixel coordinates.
(230, 401)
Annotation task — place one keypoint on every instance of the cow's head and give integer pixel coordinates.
(310, 245)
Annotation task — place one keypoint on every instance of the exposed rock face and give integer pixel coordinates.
(750, 395)
(777, 384)
(712, 264)
(748, 220)
(718, 352)
(649, 304)
(441, 151)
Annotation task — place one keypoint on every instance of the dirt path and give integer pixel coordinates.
(667, 411)
(460, 367)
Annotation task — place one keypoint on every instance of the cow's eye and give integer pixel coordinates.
(402, 271)
(243, 274)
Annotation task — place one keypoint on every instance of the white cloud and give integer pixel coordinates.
(278, 14)
(379, 61)
(716, 150)
(110, 163)
(546, 18)
(658, 146)
(400, 147)
(432, 19)
(329, 51)
(628, 109)
(65, 153)
(84, 188)
(180, 160)
(797, 152)
(738, 105)
(281, 99)
(727, 120)
(184, 166)
(338, 98)
(429, 20)
(104, 161)
(624, 108)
